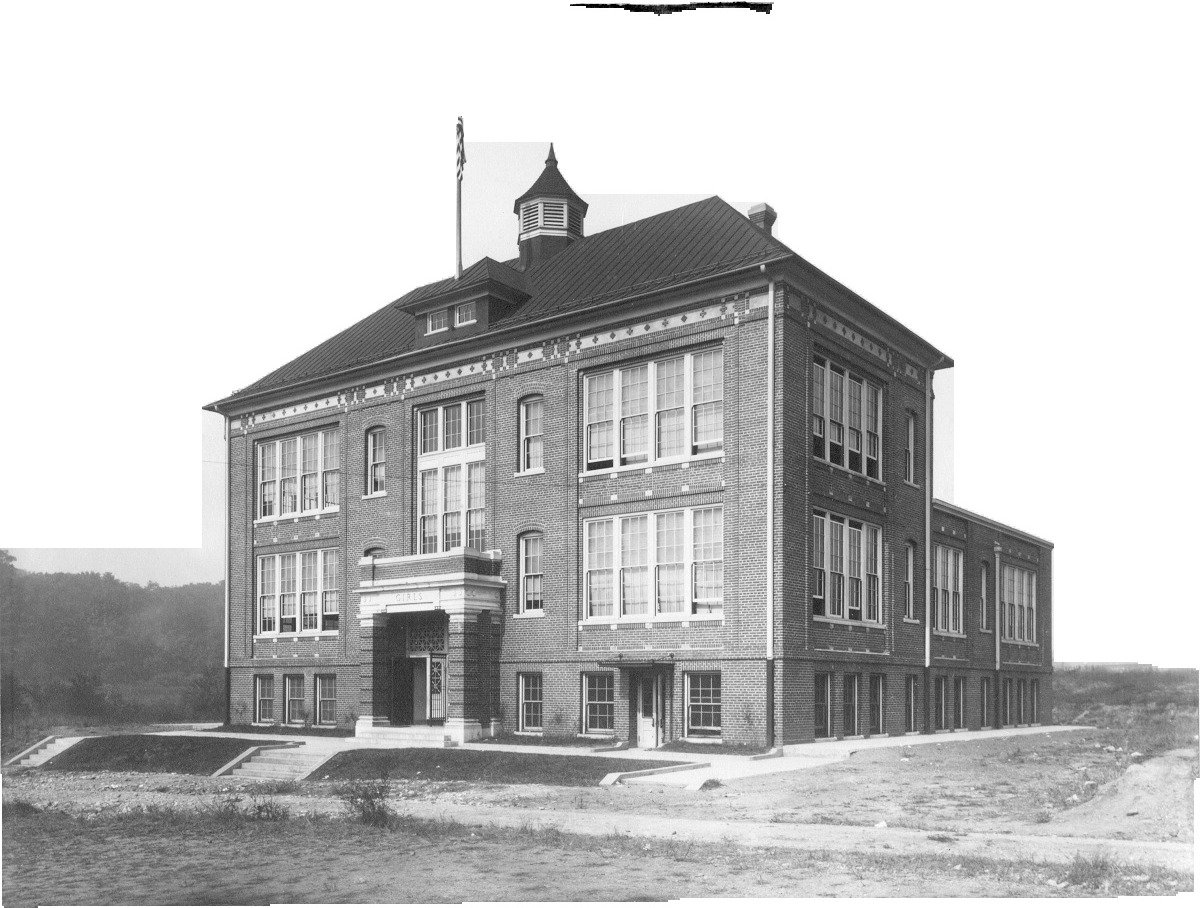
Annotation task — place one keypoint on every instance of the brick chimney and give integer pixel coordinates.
(762, 216)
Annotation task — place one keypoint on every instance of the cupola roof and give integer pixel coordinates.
(551, 185)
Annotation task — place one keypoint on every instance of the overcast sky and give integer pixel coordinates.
(193, 194)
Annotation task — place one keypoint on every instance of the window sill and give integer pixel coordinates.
(437, 331)
(911, 620)
(986, 630)
(651, 465)
(382, 494)
(683, 619)
(537, 471)
(954, 634)
(911, 484)
(529, 734)
(465, 324)
(826, 619)
(531, 613)
(848, 471)
(296, 518)
(703, 739)
(296, 637)
(597, 735)
(1020, 643)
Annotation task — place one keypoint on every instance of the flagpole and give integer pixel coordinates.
(458, 201)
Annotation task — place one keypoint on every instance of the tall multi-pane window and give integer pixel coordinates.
(703, 706)
(294, 708)
(531, 434)
(299, 475)
(1019, 606)
(910, 558)
(876, 704)
(376, 471)
(986, 717)
(847, 418)
(298, 592)
(326, 694)
(960, 702)
(910, 449)
(941, 713)
(664, 562)
(451, 478)
(910, 702)
(850, 684)
(846, 568)
(264, 695)
(1033, 702)
(531, 573)
(530, 699)
(655, 411)
(599, 703)
(948, 581)
(822, 705)
(985, 610)
(1006, 701)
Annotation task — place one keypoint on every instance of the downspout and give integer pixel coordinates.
(228, 487)
(929, 535)
(770, 705)
(996, 628)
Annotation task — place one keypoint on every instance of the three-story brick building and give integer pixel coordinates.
(665, 481)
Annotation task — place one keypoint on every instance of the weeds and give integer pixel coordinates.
(366, 802)
(260, 809)
(276, 787)
(1093, 871)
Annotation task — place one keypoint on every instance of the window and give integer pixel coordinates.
(530, 701)
(313, 576)
(299, 475)
(1006, 704)
(531, 434)
(847, 419)
(876, 704)
(661, 410)
(986, 719)
(703, 707)
(850, 557)
(1033, 702)
(960, 702)
(264, 695)
(910, 702)
(1021, 702)
(822, 703)
(531, 573)
(1019, 605)
(451, 478)
(985, 611)
(464, 314)
(326, 700)
(295, 710)
(910, 557)
(947, 601)
(910, 450)
(941, 710)
(599, 703)
(437, 321)
(653, 556)
(376, 461)
(850, 705)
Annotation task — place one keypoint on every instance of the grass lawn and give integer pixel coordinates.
(150, 753)
(551, 741)
(292, 730)
(499, 767)
(695, 747)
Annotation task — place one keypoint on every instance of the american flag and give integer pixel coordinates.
(462, 152)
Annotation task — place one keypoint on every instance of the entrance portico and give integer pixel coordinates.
(431, 643)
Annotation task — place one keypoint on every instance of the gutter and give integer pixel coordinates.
(770, 705)
(220, 405)
(228, 490)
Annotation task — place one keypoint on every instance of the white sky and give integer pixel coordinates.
(191, 194)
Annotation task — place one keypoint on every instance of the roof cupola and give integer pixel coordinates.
(549, 216)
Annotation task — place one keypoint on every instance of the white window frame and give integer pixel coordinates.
(290, 682)
(947, 614)
(526, 574)
(693, 448)
(837, 566)
(376, 461)
(835, 400)
(462, 310)
(693, 607)
(910, 599)
(259, 699)
(825, 680)
(273, 597)
(853, 682)
(586, 719)
(523, 701)
(959, 686)
(322, 696)
(701, 731)
(322, 473)
(910, 450)
(528, 463)
(911, 701)
(467, 457)
(985, 611)
(443, 321)
(1019, 605)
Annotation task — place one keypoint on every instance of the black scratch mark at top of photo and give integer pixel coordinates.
(662, 9)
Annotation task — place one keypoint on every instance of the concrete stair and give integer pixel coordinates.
(282, 764)
(405, 736)
(44, 751)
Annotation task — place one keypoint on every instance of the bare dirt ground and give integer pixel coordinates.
(1083, 784)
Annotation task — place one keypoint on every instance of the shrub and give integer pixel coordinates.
(366, 801)
(1092, 871)
(265, 809)
(20, 809)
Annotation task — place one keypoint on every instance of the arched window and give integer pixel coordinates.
(531, 434)
(531, 573)
(376, 461)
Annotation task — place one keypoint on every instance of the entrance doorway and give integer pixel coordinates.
(418, 690)
(648, 708)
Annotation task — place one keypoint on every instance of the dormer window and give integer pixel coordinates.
(464, 314)
(437, 321)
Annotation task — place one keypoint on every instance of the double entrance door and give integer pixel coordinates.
(418, 689)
